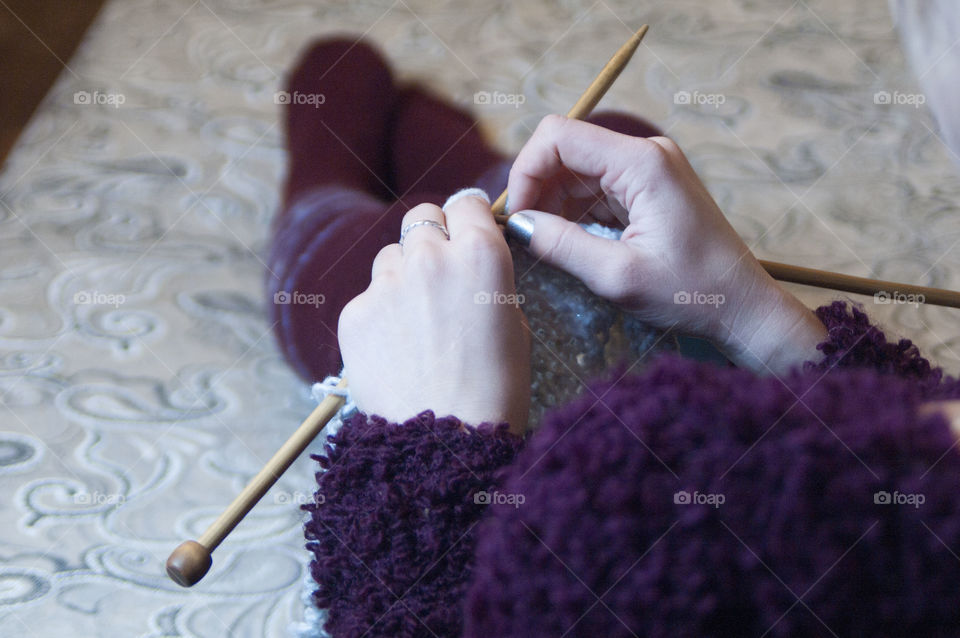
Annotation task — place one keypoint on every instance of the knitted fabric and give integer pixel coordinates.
(393, 525)
(588, 530)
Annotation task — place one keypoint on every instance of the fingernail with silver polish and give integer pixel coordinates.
(520, 228)
(506, 205)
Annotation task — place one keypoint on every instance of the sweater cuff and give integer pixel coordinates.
(394, 516)
(854, 342)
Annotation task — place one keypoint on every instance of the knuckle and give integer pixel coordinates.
(381, 258)
(562, 246)
(385, 251)
(611, 277)
(652, 162)
(520, 168)
(350, 317)
(422, 211)
(619, 278)
(385, 283)
(654, 153)
(660, 152)
(478, 242)
(666, 144)
(551, 124)
(426, 260)
(484, 253)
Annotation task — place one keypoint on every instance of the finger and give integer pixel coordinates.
(388, 259)
(469, 208)
(418, 235)
(558, 142)
(596, 261)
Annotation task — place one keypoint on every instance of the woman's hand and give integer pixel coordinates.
(439, 328)
(679, 263)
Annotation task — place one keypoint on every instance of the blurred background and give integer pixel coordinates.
(140, 387)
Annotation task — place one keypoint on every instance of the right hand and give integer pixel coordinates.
(676, 240)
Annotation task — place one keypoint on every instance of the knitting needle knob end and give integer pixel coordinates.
(188, 563)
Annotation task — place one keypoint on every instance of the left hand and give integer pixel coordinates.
(435, 330)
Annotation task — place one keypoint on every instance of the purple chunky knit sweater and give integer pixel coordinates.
(688, 500)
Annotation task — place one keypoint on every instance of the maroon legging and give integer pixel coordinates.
(361, 156)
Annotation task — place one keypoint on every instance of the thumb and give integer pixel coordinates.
(598, 262)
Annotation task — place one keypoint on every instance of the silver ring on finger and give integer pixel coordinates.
(423, 222)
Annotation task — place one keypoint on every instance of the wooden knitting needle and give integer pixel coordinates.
(190, 561)
(604, 80)
(883, 291)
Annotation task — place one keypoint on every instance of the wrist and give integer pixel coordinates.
(772, 331)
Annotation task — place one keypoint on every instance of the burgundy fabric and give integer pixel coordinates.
(435, 147)
(334, 215)
(341, 140)
(600, 547)
(624, 123)
(319, 261)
